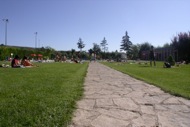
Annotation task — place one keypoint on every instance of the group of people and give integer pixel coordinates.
(17, 63)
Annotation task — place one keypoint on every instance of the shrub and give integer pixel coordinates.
(171, 60)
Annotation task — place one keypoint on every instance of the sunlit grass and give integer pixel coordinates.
(41, 96)
(173, 80)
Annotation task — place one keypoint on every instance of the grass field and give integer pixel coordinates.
(174, 80)
(41, 96)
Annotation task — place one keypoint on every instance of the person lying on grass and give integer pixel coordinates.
(26, 63)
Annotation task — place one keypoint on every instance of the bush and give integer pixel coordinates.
(171, 61)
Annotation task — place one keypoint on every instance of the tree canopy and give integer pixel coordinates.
(96, 48)
(80, 44)
(135, 51)
(144, 47)
(181, 43)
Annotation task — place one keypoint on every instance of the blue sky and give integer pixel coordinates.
(60, 23)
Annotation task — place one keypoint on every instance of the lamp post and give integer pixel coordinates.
(6, 21)
(36, 33)
(39, 43)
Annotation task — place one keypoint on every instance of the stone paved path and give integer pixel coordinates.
(113, 99)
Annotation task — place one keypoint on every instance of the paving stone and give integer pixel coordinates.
(86, 104)
(185, 102)
(146, 109)
(146, 99)
(99, 96)
(135, 94)
(172, 100)
(106, 121)
(104, 102)
(119, 114)
(89, 91)
(173, 119)
(84, 117)
(125, 103)
(152, 90)
(160, 107)
(104, 91)
(178, 108)
(145, 121)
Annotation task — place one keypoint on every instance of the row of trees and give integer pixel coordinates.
(180, 42)
(132, 51)
(99, 49)
(88, 55)
(96, 49)
(7, 52)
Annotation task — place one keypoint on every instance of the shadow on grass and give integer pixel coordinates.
(144, 66)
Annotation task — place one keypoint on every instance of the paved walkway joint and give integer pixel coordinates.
(114, 99)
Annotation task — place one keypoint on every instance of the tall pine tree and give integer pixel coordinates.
(104, 45)
(126, 44)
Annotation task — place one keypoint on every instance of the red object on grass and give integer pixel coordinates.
(40, 55)
(33, 54)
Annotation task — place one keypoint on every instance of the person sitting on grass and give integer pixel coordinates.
(15, 63)
(167, 65)
(26, 63)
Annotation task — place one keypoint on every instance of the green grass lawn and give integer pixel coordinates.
(41, 96)
(174, 80)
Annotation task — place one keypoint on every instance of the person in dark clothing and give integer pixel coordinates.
(167, 65)
(15, 63)
(152, 58)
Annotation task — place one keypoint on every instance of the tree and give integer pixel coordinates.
(117, 56)
(166, 45)
(135, 51)
(181, 43)
(96, 48)
(80, 44)
(90, 51)
(72, 51)
(104, 45)
(144, 47)
(126, 43)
